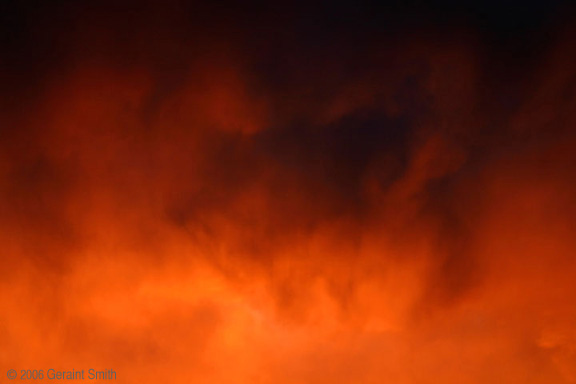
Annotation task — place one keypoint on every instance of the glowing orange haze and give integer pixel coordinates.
(158, 237)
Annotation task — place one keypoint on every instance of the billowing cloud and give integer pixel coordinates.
(201, 194)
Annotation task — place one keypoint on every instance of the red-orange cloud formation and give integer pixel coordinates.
(203, 203)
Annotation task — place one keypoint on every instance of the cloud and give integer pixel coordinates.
(196, 200)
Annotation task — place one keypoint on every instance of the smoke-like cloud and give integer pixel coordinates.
(286, 196)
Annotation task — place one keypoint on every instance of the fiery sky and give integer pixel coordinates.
(291, 193)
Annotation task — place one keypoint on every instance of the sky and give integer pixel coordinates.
(289, 192)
